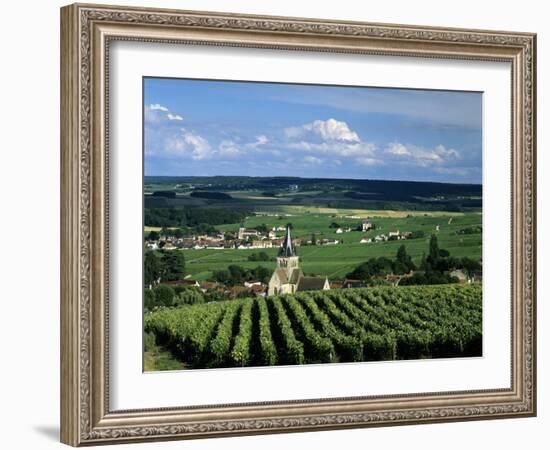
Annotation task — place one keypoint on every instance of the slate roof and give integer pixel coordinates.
(287, 248)
(311, 284)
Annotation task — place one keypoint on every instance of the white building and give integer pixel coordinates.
(246, 232)
(366, 225)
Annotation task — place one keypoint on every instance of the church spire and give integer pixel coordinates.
(287, 249)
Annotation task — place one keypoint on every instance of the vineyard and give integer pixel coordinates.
(344, 325)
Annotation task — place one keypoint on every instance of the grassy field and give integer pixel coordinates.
(159, 358)
(312, 207)
(335, 261)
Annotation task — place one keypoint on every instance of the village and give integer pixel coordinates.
(287, 278)
(258, 238)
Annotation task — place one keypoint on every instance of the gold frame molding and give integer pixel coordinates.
(86, 31)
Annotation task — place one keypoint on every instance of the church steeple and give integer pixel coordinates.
(287, 250)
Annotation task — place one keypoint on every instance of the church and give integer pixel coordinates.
(288, 278)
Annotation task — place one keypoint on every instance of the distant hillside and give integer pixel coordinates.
(386, 190)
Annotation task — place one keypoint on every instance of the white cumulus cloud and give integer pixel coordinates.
(422, 156)
(155, 113)
(260, 140)
(335, 148)
(200, 148)
(328, 130)
(158, 107)
(395, 148)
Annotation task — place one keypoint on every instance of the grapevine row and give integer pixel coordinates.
(370, 324)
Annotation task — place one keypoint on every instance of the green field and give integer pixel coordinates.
(335, 261)
(344, 325)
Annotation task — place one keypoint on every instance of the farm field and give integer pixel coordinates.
(335, 261)
(349, 325)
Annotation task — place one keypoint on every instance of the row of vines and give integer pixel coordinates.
(344, 325)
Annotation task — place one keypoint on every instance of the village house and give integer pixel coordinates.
(393, 233)
(262, 244)
(288, 278)
(244, 233)
(215, 246)
(351, 283)
(476, 277)
(329, 241)
(393, 279)
(366, 225)
(460, 275)
(258, 290)
(208, 286)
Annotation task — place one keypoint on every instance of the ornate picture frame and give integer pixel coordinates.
(87, 32)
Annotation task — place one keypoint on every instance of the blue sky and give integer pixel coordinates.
(201, 127)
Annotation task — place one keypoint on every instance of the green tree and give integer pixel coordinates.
(374, 267)
(151, 268)
(262, 228)
(418, 234)
(313, 239)
(221, 276)
(433, 252)
(172, 265)
(470, 265)
(153, 235)
(404, 259)
(261, 273)
(149, 299)
(237, 274)
(164, 295)
(423, 263)
(261, 256)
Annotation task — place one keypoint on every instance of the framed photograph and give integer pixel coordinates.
(276, 224)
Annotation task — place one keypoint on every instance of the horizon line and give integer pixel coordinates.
(312, 178)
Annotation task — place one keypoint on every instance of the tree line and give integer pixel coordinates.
(434, 267)
(192, 217)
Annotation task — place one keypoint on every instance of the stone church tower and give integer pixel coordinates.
(287, 275)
